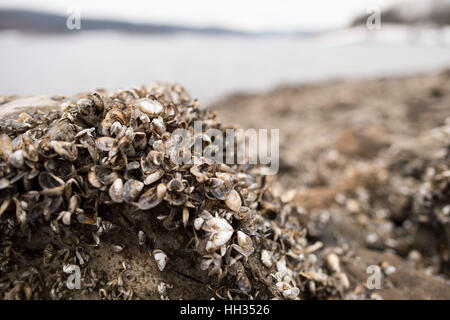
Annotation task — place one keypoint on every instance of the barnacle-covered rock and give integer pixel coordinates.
(109, 162)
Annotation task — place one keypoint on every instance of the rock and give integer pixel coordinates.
(405, 283)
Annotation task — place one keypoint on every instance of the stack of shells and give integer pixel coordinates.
(61, 167)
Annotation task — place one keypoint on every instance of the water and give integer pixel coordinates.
(210, 67)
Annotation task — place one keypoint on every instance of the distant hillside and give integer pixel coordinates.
(41, 22)
(430, 12)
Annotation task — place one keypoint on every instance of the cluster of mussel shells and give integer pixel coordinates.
(432, 206)
(108, 150)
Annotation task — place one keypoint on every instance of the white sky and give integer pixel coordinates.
(242, 14)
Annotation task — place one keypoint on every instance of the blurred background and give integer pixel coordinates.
(212, 48)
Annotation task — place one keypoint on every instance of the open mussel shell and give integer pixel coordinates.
(60, 168)
(50, 184)
(152, 197)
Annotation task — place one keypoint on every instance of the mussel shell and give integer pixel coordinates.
(131, 190)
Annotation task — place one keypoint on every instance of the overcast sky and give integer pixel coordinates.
(241, 14)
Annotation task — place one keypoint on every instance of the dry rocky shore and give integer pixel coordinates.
(368, 161)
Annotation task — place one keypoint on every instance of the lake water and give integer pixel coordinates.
(210, 67)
